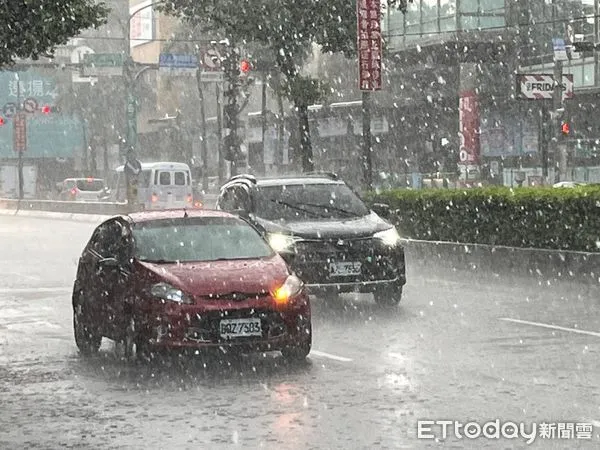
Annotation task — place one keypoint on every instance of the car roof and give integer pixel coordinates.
(297, 180)
(149, 216)
(160, 165)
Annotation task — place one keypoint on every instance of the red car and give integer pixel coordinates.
(179, 279)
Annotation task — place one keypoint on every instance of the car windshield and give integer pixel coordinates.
(198, 239)
(90, 185)
(309, 202)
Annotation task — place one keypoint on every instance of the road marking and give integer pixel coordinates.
(34, 289)
(552, 327)
(330, 356)
(29, 277)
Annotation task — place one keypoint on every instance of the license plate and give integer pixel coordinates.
(345, 269)
(233, 328)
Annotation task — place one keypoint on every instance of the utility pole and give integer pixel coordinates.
(263, 117)
(557, 104)
(20, 120)
(204, 148)
(367, 146)
(231, 143)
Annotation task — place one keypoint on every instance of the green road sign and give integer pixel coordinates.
(103, 59)
(108, 64)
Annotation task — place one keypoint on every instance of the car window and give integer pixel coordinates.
(91, 184)
(179, 178)
(198, 239)
(235, 198)
(109, 241)
(309, 202)
(164, 178)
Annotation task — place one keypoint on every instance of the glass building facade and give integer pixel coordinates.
(434, 18)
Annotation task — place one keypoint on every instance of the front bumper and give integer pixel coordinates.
(359, 286)
(379, 264)
(194, 327)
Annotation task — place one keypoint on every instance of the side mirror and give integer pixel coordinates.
(382, 210)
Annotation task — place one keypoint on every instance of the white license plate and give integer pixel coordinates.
(345, 269)
(229, 328)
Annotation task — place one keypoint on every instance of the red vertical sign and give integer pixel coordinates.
(20, 132)
(469, 128)
(368, 13)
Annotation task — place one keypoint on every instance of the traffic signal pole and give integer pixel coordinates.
(20, 150)
(557, 103)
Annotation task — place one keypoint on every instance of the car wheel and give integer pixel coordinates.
(296, 353)
(388, 296)
(87, 337)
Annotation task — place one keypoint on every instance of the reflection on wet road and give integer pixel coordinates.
(448, 352)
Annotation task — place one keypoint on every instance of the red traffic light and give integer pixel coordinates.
(565, 128)
(245, 66)
(46, 109)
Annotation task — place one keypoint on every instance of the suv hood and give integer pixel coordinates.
(221, 277)
(355, 227)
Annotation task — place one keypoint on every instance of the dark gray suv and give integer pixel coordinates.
(329, 237)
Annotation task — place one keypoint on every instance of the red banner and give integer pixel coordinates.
(368, 13)
(469, 128)
(20, 132)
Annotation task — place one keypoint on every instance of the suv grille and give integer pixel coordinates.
(317, 259)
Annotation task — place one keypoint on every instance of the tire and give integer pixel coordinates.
(297, 353)
(87, 337)
(388, 296)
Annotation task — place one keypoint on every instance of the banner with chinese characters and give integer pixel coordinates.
(369, 44)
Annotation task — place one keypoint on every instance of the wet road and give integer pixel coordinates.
(454, 350)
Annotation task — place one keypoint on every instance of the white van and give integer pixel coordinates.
(162, 185)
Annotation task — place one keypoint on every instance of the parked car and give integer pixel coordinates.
(83, 190)
(196, 279)
(330, 238)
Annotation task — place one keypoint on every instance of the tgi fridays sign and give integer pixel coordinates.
(369, 44)
(541, 86)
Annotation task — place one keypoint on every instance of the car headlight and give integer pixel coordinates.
(290, 288)
(390, 237)
(166, 292)
(280, 242)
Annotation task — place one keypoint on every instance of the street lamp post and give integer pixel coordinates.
(131, 78)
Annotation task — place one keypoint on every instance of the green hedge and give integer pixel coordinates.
(565, 218)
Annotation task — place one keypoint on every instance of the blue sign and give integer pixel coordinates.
(560, 49)
(48, 136)
(178, 63)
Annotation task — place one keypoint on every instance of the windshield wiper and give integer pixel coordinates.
(298, 208)
(333, 208)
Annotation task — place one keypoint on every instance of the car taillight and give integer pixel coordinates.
(154, 198)
(198, 204)
(190, 198)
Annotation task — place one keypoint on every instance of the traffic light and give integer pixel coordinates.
(47, 109)
(245, 66)
(565, 128)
